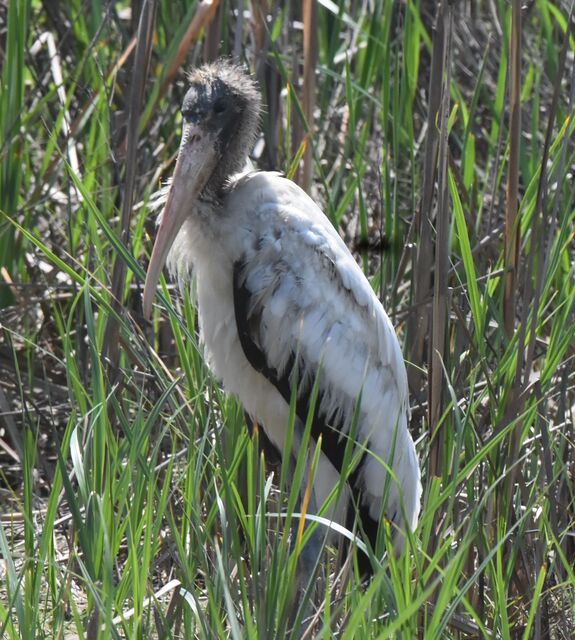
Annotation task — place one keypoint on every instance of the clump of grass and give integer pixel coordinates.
(132, 500)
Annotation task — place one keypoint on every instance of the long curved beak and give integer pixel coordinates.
(195, 164)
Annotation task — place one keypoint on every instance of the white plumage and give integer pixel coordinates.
(280, 298)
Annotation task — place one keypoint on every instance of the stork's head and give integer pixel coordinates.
(220, 122)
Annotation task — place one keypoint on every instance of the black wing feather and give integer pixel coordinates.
(331, 444)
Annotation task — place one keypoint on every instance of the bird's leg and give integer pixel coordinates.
(309, 560)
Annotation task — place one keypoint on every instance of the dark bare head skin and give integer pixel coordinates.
(221, 112)
(224, 100)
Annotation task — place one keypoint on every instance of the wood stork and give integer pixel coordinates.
(280, 299)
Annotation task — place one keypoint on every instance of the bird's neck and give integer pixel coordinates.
(229, 165)
(234, 152)
(212, 195)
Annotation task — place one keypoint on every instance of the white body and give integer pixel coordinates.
(314, 299)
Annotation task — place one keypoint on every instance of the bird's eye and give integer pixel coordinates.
(220, 106)
(189, 116)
